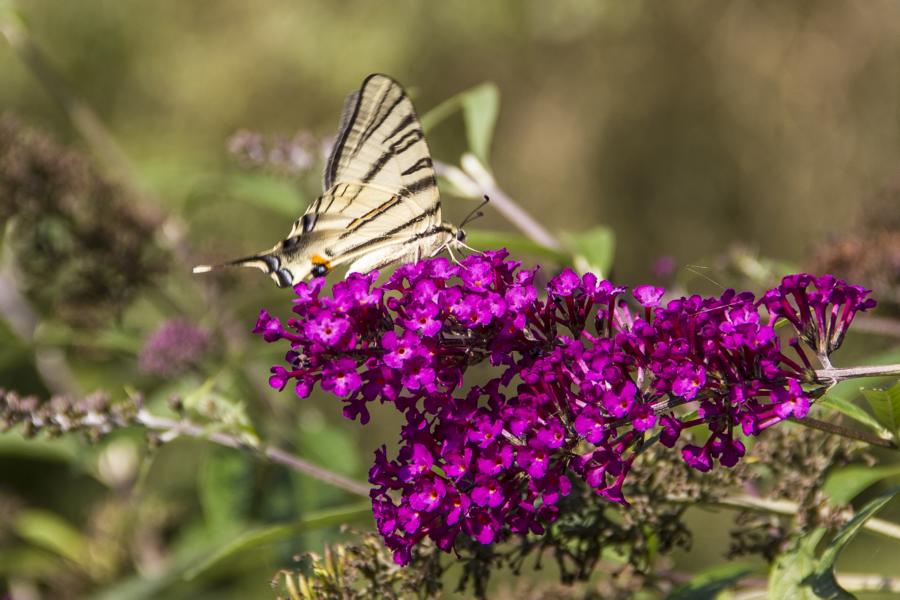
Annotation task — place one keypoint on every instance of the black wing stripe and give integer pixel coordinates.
(374, 241)
(406, 142)
(422, 163)
(406, 122)
(373, 127)
(420, 185)
(348, 118)
(377, 166)
(369, 216)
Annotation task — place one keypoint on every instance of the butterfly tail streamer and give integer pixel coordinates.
(264, 262)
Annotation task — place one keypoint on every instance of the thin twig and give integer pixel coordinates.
(835, 374)
(781, 507)
(172, 428)
(846, 432)
(867, 582)
(475, 181)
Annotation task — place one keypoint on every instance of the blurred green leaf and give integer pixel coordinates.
(62, 450)
(51, 532)
(793, 567)
(594, 250)
(28, 562)
(886, 406)
(849, 409)
(258, 189)
(264, 536)
(53, 333)
(843, 485)
(225, 486)
(267, 191)
(822, 579)
(515, 243)
(140, 587)
(480, 106)
(707, 584)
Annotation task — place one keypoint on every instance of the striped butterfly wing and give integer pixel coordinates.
(380, 196)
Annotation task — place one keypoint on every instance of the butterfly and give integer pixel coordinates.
(381, 203)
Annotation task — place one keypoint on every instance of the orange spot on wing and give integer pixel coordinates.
(318, 260)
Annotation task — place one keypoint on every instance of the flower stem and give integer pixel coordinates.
(839, 374)
(781, 507)
(476, 181)
(846, 432)
(172, 428)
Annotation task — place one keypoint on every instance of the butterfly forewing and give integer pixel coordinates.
(381, 143)
(381, 201)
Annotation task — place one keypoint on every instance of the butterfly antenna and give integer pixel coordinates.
(475, 214)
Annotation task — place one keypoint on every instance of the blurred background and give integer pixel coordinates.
(717, 140)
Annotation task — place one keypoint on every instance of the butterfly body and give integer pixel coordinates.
(381, 203)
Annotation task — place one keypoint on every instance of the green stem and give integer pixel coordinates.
(845, 432)
(781, 507)
(172, 429)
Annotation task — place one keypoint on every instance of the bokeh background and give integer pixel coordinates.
(689, 129)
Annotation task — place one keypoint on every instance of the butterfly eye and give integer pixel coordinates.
(460, 235)
(319, 270)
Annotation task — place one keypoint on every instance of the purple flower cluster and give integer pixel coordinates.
(174, 346)
(579, 379)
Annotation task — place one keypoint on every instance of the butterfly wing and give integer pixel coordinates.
(381, 198)
(381, 188)
(381, 143)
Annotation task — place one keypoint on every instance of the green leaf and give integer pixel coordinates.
(266, 191)
(822, 580)
(258, 189)
(260, 537)
(51, 532)
(845, 484)
(480, 106)
(849, 409)
(517, 244)
(594, 250)
(707, 584)
(886, 406)
(797, 573)
(226, 489)
(793, 567)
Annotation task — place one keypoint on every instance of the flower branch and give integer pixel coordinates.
(781, 507)
(95, 416)
(835, 374)
(475, 181)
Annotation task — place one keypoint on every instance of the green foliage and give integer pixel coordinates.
(708, 584)
(253, 540)
(46, 530)
(225, 487)
(593, 250)
(516, 243)
(799, 574)
(790, 573)
(843, 485)
(846, 407)
(886, 407)
(480, 107)
(823, 581)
